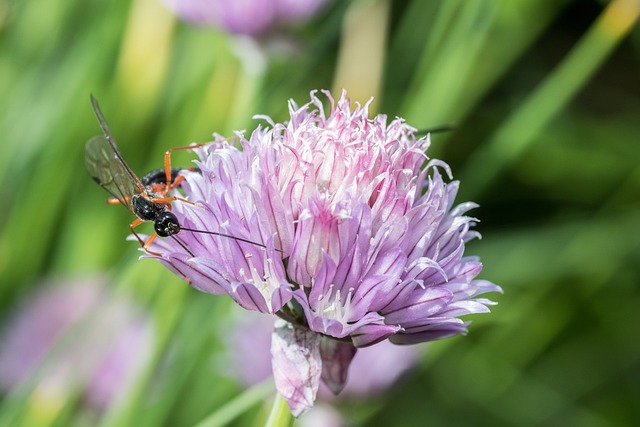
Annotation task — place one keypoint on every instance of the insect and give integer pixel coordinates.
(148, 199)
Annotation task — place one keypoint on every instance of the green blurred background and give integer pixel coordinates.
(545, 99)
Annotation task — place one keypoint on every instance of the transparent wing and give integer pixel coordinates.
(107, 168)
(106, 165)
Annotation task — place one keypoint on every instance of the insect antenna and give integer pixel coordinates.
(183, 245)
(240, 239)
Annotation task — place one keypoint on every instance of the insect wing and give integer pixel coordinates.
(107, 168)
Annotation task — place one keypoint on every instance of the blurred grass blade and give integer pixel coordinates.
(465, 48)
(459, 32)
(238, 405)
(521, 129)
(168, 309)
(362, 52)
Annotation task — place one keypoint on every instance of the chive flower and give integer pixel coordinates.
(344, 229)
(245, 17)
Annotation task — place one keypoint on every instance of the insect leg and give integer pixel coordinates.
(167, 161)
(167, 201)
(145, 245)
(167, 165)
(133, 225)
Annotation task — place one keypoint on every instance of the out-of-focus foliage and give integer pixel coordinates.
(545, 99)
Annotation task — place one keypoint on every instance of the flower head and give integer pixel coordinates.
(356, 239)
(247, 17)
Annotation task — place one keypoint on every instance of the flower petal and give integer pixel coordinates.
(373, 333)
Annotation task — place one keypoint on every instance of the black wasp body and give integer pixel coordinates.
(165, 223)
(159, 177)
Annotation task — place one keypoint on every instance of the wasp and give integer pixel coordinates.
(147, 198)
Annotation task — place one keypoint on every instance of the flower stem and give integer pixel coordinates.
(238, 406)
(280, 415)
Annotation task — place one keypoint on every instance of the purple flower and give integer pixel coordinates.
(247, 17)
(78, 336)
(356, 239)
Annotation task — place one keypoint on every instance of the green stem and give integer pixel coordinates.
(238, 406)
(280, 415)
